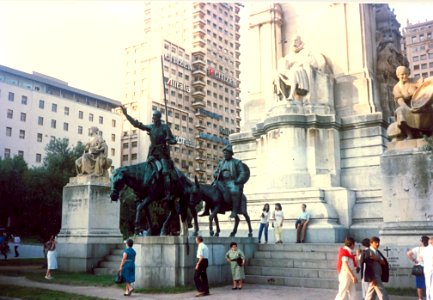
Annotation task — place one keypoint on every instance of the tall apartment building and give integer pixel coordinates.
(36, 108)
(197, 46)
(417, 44)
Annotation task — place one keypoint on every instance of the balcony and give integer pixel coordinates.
(197, 104)
(199, 114)
(200, 170)
(198, 52)
(199, 83)
(199, 23)
(200, 159)
(198, 62)
(200, 127)
(198, 95)
(199, 72)
(199, 148)
(198, 43)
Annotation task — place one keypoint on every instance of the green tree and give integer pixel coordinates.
(12, 189)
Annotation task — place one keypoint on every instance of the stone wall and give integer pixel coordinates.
(170, 261)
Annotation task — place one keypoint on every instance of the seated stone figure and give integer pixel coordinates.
(94, 160)
(414, 114)
(297, 72)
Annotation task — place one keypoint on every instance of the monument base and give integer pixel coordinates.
(170, 261)
(90, 224)
(407, 193)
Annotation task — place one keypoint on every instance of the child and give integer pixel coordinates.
(278, 218)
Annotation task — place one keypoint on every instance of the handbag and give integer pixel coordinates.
(119, 278)
(239, 260)
(417, 270)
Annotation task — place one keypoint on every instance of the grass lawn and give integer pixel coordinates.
(39, 294)
(402, 291)
(23, 262)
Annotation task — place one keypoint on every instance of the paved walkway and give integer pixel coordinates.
(249, 292)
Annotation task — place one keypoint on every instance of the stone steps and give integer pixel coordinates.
(297, 265)
(110, 264)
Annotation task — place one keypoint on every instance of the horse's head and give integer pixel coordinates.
(117, 183)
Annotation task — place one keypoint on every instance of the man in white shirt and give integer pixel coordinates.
(200, 275)
(427, 257)
(301, 224)
(17, 241)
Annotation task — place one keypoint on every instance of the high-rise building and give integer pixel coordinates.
(197, 47)
(417, 44)
(37, 108)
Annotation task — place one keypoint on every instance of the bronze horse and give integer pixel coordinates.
(213, 197)
(144, 179)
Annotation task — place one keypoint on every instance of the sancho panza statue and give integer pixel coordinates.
(94, 160)
(296, 72)
(414, 114)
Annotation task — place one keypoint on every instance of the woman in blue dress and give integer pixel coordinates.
(127, 267)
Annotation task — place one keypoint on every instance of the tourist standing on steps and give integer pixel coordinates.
(200, 275)
(236, 259)
(415, 256)
(127, 267)
(278, 220)
(301, 224)
(361, 258)
(346, 265)
(51, 257)
(376, 271)
(264, 223)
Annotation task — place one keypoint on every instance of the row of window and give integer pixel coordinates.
(38, 156)
(424, 75)
(423, 57)
(24, 99)
(423, 66)
(422, 37)
(7, 154)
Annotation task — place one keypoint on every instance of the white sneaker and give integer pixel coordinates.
(48, 277)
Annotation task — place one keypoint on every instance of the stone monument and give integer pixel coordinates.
(406, 165)
(316, 111)
(90, 221)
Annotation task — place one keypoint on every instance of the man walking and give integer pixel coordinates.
(200, 275)
(376, 271)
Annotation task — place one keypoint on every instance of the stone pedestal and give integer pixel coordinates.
(90, 223)
(407, 174)
(170, 261)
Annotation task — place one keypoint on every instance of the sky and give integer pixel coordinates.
(83, 42)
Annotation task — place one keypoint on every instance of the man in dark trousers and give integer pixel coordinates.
(159, 149)
(200, 275)
(376, 271)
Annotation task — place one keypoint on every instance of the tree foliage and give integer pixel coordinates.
(33, 197)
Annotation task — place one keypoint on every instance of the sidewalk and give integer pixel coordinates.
(250, 292)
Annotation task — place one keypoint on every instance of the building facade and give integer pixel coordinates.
(37, 108)
(197, 47)
(417, 44)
